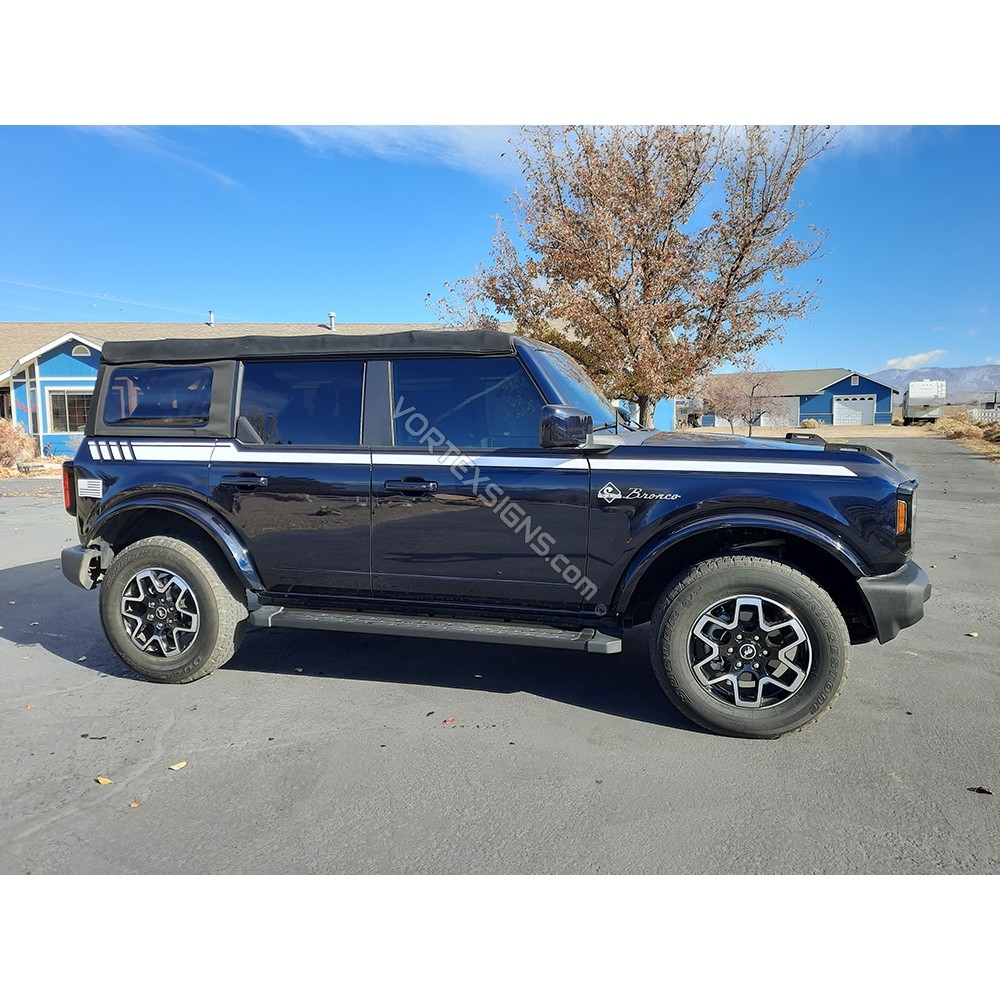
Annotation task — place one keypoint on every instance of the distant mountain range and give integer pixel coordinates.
(964, 384)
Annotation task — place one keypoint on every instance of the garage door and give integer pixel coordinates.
(853, 410)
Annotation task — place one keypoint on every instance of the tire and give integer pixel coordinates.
(171, 611)
(734, 678)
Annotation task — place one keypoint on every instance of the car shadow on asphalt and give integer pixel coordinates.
(38, 607)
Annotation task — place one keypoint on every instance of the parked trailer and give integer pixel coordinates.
(923, 402)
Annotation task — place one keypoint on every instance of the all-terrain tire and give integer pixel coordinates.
(171, 610)
(748, 646)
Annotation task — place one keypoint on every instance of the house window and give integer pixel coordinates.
(855, 380)
(68, 411)
(81, 351)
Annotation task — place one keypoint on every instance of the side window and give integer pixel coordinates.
(174, 395)
(467, 402)
(301, 403)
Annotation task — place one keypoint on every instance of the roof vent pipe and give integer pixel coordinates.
(211, 317)
(333, 320)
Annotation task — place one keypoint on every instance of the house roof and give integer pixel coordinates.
(22, 341)
(808, 382)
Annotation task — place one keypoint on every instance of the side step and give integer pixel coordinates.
(588, 640)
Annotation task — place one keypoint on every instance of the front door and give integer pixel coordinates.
(466, 506)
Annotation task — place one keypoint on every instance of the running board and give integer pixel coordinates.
(588, 640)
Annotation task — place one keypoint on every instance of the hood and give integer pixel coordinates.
(862, 458)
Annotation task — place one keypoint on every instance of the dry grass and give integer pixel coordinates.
(982, 437)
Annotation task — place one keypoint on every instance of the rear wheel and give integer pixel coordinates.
(171, 611)
(748, 646)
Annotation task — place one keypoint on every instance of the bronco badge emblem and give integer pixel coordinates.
(609, 492)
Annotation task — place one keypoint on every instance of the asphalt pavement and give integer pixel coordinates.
(334, 753)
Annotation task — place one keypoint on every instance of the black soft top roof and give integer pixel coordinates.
(373, 345)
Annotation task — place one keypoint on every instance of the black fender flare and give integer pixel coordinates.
(204, 517)
(656, 547)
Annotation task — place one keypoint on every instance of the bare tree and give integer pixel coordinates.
(652, 254)
(745, 396)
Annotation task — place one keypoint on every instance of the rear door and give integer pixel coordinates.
(466, 506)
(296, 482)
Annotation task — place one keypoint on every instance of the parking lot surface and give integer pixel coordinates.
(335, 753)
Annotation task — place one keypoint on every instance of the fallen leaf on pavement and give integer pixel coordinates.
(982, 790)
(447, 722)
(134, 805)
(975, 635)
(101, 780)
(29, 706)
(178, 765)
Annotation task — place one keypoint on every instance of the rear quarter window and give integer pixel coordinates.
(175, 396)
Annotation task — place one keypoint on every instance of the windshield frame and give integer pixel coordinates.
(564, 381)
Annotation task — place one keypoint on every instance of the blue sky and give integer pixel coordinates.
(288, 224)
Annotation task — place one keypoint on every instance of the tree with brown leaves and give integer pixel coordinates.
(651, 254)
(745, 397)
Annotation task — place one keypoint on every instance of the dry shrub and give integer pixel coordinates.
(991, 431)
(959, 427)
(15, 445)
(957, 416)
(809, 423)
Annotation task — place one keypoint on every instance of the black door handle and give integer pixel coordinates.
(410, 486)
(247, 482)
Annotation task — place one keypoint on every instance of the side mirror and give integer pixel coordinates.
(564, 427)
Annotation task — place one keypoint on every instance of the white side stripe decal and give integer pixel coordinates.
(226, 451)
(694, 465)
(229, 451)
(492, 461)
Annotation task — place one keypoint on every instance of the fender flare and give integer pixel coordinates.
(656, 547)
(215, 526)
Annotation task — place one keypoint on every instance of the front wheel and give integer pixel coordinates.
(171, 611)
(747, 646)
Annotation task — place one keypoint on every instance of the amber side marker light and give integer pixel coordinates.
(902, 516)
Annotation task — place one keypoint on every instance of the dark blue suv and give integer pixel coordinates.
(476, 486)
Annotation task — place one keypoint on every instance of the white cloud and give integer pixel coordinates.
(915, 360)
(872, 138)
(479, 149)
(475, 149)
(153, 142)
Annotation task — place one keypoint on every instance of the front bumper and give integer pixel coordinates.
(896, 600)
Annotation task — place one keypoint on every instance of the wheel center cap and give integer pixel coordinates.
(161, 613)
(748, 651)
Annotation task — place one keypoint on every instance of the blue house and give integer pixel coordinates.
(47, 392)
(835, 396)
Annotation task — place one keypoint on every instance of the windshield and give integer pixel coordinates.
(576, 388)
